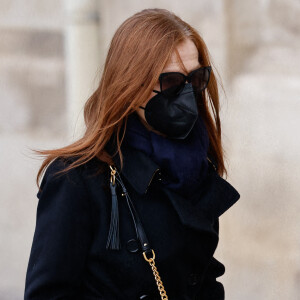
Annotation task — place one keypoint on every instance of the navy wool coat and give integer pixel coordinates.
(69, 259)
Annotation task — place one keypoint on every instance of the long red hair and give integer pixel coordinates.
(138, 52)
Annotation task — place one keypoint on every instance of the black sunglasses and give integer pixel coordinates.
(172, 83)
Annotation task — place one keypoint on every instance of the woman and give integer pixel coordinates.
(143, 186)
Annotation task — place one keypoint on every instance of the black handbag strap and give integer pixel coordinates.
(113, 238)
(135, 217)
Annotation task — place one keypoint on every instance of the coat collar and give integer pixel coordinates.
(217, 196)
(138, 169)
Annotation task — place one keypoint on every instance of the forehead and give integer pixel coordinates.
(188, 53)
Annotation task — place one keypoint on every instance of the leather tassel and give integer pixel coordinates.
(113, 241)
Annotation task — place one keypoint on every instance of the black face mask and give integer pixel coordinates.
(174, 117)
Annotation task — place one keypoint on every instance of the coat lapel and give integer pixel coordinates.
(214, 198)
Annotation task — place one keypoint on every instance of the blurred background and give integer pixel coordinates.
(51, 56)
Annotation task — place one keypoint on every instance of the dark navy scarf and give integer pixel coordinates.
(183, 163)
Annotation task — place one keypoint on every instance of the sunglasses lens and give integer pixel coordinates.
(200, 79)
(171, 84)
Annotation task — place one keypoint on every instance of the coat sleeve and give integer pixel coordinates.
(211, 288)
(62, 237)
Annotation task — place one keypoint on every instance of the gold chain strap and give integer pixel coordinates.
(159, 283)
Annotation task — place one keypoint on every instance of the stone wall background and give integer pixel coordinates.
(51, 54)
